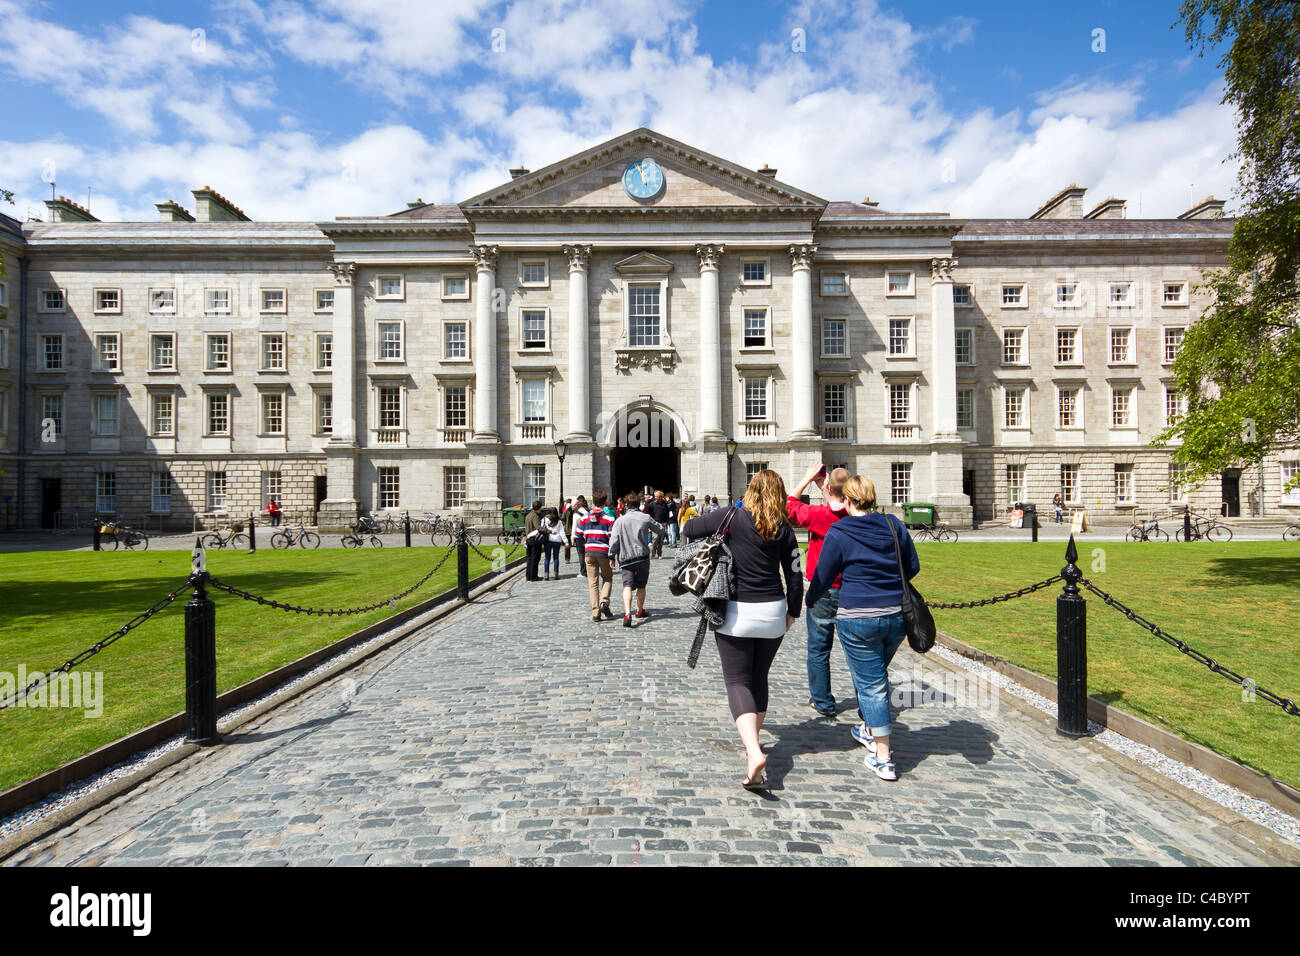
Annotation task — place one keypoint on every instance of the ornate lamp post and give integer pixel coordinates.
(561, 448)
(731, 453)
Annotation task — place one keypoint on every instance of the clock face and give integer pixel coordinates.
(643, 179)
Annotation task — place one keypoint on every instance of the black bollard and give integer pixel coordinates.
(252, 536)
(94, 535)
(1071, 651)
(1034, 523)
(1187, 523)
(200, 659)
(406, 522)
(462, 566)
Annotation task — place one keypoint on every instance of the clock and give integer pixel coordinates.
(644, 179)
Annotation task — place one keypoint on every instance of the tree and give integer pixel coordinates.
(1239, 367)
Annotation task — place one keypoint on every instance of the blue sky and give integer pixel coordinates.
(307, 110)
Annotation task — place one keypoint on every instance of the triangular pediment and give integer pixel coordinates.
(593, 179)
(644, 264)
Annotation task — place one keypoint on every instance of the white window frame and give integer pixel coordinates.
(105, 492)
(843, 321)
(908, 290)
(444, 393)
(161, 488)
(45, 355)
(1077, 347)
(970, 295)
(547, 399)
(1016, 487)
(1164, 342)
(969, 333)
(829, 273)
(388, 498)
(153, 364)
(545, 347)
(1178, 483)
(665, 339)
(538, 491)
(453, 296)
(1291, 497)
(1024, 345)
(317, 340)
(1129, 300)
(767, 328)
(468, 356)
(765, 262)
(281, 309)
(1124, 468)
(544, 262)
(910, 351)
(1132, 345)
(262, 339)
(1078, 425)
(315, 299)
(1073, 301)
(766, 379)
(398, 296)
(100, 309)
(1070, 495)
(208, 396)
(320, 396)
(912, 410)
(98, 364)
(154, 308)
(42, 302)
(96, 421)
(1181, 403)
(207, 352)
(209, 297)
(957, 410)
(1132, 407)
(216, 500)
(1022, 303)
(380, 358)
(378, 388)
(263, 395)
(896, 468)
(1183, 295)
(845, 384)
(154, 430)
(457, 500)
(1024, 407)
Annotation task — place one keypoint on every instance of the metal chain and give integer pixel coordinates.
(488, 557)
(95, 648)
(1010, 595)
(1288, 706)
(391, 602)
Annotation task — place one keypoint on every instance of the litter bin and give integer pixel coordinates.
(918, 514)
(512, 519)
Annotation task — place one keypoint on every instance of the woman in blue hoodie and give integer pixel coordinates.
(860, 550)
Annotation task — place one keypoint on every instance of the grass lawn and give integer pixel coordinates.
(54, 605)
(1237, 603)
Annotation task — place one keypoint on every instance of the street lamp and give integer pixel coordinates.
(731, 453)
(561, 447)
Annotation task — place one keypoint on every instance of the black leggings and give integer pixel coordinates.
(745, 663)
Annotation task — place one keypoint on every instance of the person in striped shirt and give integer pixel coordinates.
(595, 536)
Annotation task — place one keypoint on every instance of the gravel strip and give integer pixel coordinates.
(1251, 808)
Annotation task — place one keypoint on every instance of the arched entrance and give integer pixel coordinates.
(644, 443)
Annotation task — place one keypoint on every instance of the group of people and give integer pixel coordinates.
(849, 583)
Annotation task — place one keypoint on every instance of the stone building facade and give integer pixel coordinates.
(661, 315)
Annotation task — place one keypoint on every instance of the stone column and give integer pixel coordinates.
(485, 344)
(944, 357)
(339, 509)
(709, 426)
(803, 420)
(579, 360)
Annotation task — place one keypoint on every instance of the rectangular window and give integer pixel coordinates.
(160, 493)
(1015, 408)
(455, 287)
(1175, 293)
(1121, 294)
(1290, 469)
(534, 397)
(390, 341)
(218, 416)
(752, 468)
(1121, 405)
(218, 301)
(534, 324)
(389, 287)
(899, 283)
(272, 487)
(455, 407)
(324, 300)
(1013, 296)
(106, 492)
(1067, 295)
(390, 406)
(834, 283)
(162, 414)
(324, 413)
(900, 336)
(1121, 346)
(643, 314)
(324, 350)
(964, 346)
(961, 295)
(1015, 483)
(1013, 347)
(754, 270)
(108, 300)
(216, 488)
(1067, 346)
(51, 300)
(534, 483)
(273, 413)
(835, 406)
(218, 353)
(108, 352)
(1176, 481)
(834, 337)
(900, 482)
(455, 340)
(52, 410)
(1123, 484)
(453, 487)
(532, 272)
(162, 352)
(273, 352)
(106, 415)
(163, 302)
(965, 408)
(274, 300)
(1070, 484)
(52, 350)
(1173, 343)
(755, 328)
(900, 404)
(390, 487)
(756, 399)
(1067, 408)
(1175, 405)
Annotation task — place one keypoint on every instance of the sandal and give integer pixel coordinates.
(756, 780)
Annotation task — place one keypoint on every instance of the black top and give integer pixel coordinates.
(759, 565)
(659, 511)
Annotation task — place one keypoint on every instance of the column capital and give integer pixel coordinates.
(485, 257)
(579, 257)
(801, 255)
(941, 269)
(710, 254)
(344, 272)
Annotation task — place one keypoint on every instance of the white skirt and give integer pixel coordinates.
(754, 619)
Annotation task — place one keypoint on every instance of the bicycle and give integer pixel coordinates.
(426, 525)
(1142, 531)
(940, 532)
(516, 536)
(1291, 533)
(446, 531)
(357, 538)
(235, 539)
(128, 537)
(288, 537)
(1206, 527)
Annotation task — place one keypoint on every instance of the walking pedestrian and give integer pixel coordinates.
(533, 540)
(273, 509)
(820, 622)
(576, 516)
(553, 529)
(658, 510)
(595, 536)
(674, 506)
(765, 554)
(628, 546)
(859, 549)
(688, 511)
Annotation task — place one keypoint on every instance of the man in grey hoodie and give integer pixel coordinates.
(629, 545)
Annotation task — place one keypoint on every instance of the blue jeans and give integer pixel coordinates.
(869, 645)
(672, 534)
(552, 550)
(820, 621)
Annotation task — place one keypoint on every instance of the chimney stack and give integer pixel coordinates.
(1067, 204)
(211, 206)
(767, 171)
(1108, 208)
(64, 209)
(1207, 208)
(172, 211)
(519, 171)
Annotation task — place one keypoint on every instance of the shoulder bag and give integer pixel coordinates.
(918, 622)
(695, 574)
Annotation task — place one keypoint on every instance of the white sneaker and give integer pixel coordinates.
(884, 769)
(863, 736)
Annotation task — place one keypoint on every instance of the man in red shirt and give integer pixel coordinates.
(821, 616)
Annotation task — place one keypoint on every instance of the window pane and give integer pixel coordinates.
(534, 329)
(755, 328)
(643, 315)
(833, 341)
(534, 392)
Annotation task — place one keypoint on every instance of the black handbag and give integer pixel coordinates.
(918, 622)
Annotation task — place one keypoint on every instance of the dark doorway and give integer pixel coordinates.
(1232, 493)
(320, 491)
(968, 489)
(645, 453)
(51, 501)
